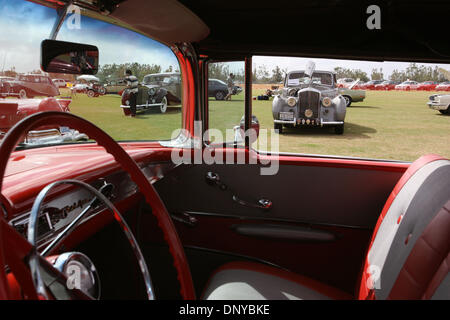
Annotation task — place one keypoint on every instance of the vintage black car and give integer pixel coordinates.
(148, 97)
(309, 98)
(171, 81)
(219, 89)
(115, 85)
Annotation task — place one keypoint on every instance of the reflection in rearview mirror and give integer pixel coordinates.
(68, 57)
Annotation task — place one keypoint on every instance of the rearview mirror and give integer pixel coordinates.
(252, 133)
(68, 57)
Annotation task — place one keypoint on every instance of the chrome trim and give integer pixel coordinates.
(329, 156)
(62, 13)
(437, 106)
(143, 105)
(272, 219)
(286, 121)
(331, 122)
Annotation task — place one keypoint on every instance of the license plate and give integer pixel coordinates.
(64, 129)
(286, 116)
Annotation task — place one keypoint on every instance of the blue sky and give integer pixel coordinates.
(24, 25)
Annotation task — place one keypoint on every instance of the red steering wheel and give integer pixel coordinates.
(14, 248)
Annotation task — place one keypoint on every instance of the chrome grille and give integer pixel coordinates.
(309, 100)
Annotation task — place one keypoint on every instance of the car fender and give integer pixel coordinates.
(277, 105)
(340, 107)
(160, 94)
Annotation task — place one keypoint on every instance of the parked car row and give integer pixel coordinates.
(406, 85)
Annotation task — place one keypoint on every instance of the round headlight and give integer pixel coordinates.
(326, 102)
(151, 91)
(291, 101)
(308, 113)
(292, 92)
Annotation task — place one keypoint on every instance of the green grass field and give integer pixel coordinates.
(387, 125)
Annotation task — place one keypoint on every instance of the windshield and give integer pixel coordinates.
(103, 98)
(161, 79)
(299, 78)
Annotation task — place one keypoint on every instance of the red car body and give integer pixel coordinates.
(445, 86)
(370, 85)
(427, 86)
(386, 85)
(14, 110)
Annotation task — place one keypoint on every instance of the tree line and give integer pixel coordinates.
(260, 74)
(116, 71)
(413, 72)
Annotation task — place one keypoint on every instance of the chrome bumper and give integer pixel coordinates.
(143, 106)
(437, 106)
(322, 123)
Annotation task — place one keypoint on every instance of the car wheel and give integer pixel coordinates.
(348, 101)
(220, 95)
(278, 128)
(102, 90)
(339, 129)
(90, 93)
(163, 107)
(22, 94)
(445, 111)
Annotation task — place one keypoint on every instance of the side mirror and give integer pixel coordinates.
(68, 57)
(253, 132)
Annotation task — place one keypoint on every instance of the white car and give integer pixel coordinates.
(407, 85)
(440, 102)
(60, 83)
(345, 82)
(79, 87)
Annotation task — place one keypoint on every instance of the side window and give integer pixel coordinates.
(225, 100)
(143, 114)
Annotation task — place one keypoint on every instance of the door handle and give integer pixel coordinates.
(264, 204)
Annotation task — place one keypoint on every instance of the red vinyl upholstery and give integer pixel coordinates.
(408, 257)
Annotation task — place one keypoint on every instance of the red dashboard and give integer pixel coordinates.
(31, 170)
